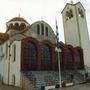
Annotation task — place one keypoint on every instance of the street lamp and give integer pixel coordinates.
(58, 50)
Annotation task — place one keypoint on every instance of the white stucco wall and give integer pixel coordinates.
(15, 65)
(4, 61)
(1, 62)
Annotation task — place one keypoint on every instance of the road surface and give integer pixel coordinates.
(78, 87)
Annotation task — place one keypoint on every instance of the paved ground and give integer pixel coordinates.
(79, 87)
(5, 87)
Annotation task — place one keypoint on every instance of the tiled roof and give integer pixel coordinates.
(18, 19)
(4, 36)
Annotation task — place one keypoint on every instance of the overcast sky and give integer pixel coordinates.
(34, 10)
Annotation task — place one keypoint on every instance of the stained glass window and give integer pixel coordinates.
(45, 57)
(30, 56)
(78, 56)
(69, 57)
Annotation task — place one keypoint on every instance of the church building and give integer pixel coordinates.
(28, 58)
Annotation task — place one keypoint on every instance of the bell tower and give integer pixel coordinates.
(75, 28)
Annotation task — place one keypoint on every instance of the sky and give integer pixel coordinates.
(35, 10)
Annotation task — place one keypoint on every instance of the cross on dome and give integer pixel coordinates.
(71, 1)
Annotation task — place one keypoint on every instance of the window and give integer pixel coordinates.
(22, 26)
(6, 50)
(78, 56)
(80, 11)
(30, 56)
(38, 29)
(42, 29)
(1, 53)
(46, 31)
(14, 52)
(13, 79)
(11, 26)
(16, 26)
(69, 57)
(45, 57)
(69, 14)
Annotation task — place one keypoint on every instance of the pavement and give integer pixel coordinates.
(6, 87)
(78, 87)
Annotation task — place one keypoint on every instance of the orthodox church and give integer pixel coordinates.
(28, 58)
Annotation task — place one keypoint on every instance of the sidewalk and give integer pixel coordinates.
(6, 87)
(78, 87)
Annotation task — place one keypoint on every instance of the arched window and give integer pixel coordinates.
(11, 26)
(78, 56)
(69, 14)
(79, 59)
(22, 26)
(45, 57)
(46, 31)
(42, 29)
(69, 58)
(81, 13)
(16, 26)
(1, 53)
(13, 79)
(30, 56)
(14, 52)
(38, 29)
(6, 50)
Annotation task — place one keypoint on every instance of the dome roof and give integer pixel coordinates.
(18, 19)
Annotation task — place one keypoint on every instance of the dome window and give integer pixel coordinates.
(38, 29)
(16, 26)
(22, 26)
(10, 26)
(42, 28)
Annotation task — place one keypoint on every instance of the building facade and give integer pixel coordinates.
(28, 57)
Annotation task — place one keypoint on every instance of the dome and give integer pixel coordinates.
(18, 19)
(17, 23)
